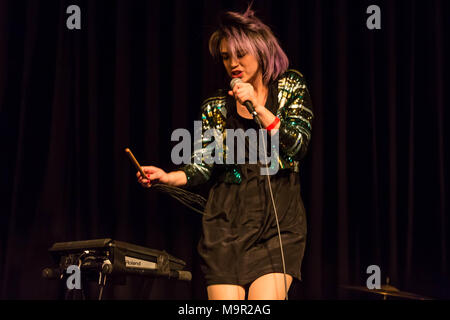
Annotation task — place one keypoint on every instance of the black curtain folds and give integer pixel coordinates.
(374, 182)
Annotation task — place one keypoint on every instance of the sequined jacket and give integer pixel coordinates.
(295, 112)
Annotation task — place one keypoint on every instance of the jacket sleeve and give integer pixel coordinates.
(296, 117)
(201, 166)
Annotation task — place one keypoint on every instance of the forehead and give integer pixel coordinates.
(223, 45)
(235, 47)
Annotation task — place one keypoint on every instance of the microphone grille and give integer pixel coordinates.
(234, 81)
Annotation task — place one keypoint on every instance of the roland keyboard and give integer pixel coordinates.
(115, 258)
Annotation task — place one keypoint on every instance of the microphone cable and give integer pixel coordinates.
(256, 118)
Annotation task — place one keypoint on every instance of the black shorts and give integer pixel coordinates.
(240, 240)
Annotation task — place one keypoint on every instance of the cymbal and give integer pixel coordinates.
(387, 290)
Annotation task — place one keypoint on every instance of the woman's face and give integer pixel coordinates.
(245, 67)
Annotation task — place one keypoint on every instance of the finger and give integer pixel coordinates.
(244, 90)
(242, 96)
(241, 91)
(147, 182)
(138, 174)
(156, 176)
(144, 179)
(231, 93)
(149, 169)
(146, 185)
(237, 93)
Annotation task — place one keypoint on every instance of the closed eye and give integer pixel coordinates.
(241, 54)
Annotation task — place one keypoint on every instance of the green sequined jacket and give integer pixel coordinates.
(294, 111)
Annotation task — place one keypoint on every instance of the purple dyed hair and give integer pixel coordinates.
(245, 33)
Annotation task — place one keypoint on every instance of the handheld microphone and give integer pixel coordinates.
(248, 104)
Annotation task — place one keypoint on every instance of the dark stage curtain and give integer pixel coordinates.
(375, 181)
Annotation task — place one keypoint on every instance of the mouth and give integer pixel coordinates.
(236, 74)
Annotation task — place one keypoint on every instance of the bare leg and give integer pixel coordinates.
(269, 287)
(225, 292)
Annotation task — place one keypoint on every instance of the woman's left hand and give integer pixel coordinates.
(242, 92)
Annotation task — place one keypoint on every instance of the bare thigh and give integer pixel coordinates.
(225, 292)
(269, 287)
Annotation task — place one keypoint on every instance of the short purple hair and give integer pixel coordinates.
(245, 33)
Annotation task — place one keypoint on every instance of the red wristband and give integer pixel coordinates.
(273, 124)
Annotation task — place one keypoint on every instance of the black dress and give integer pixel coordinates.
(240, 239)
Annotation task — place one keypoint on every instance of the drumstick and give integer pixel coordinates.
(136, 163)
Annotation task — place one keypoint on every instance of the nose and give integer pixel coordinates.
(234, 62)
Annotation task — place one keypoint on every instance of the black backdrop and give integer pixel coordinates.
(374, 182)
